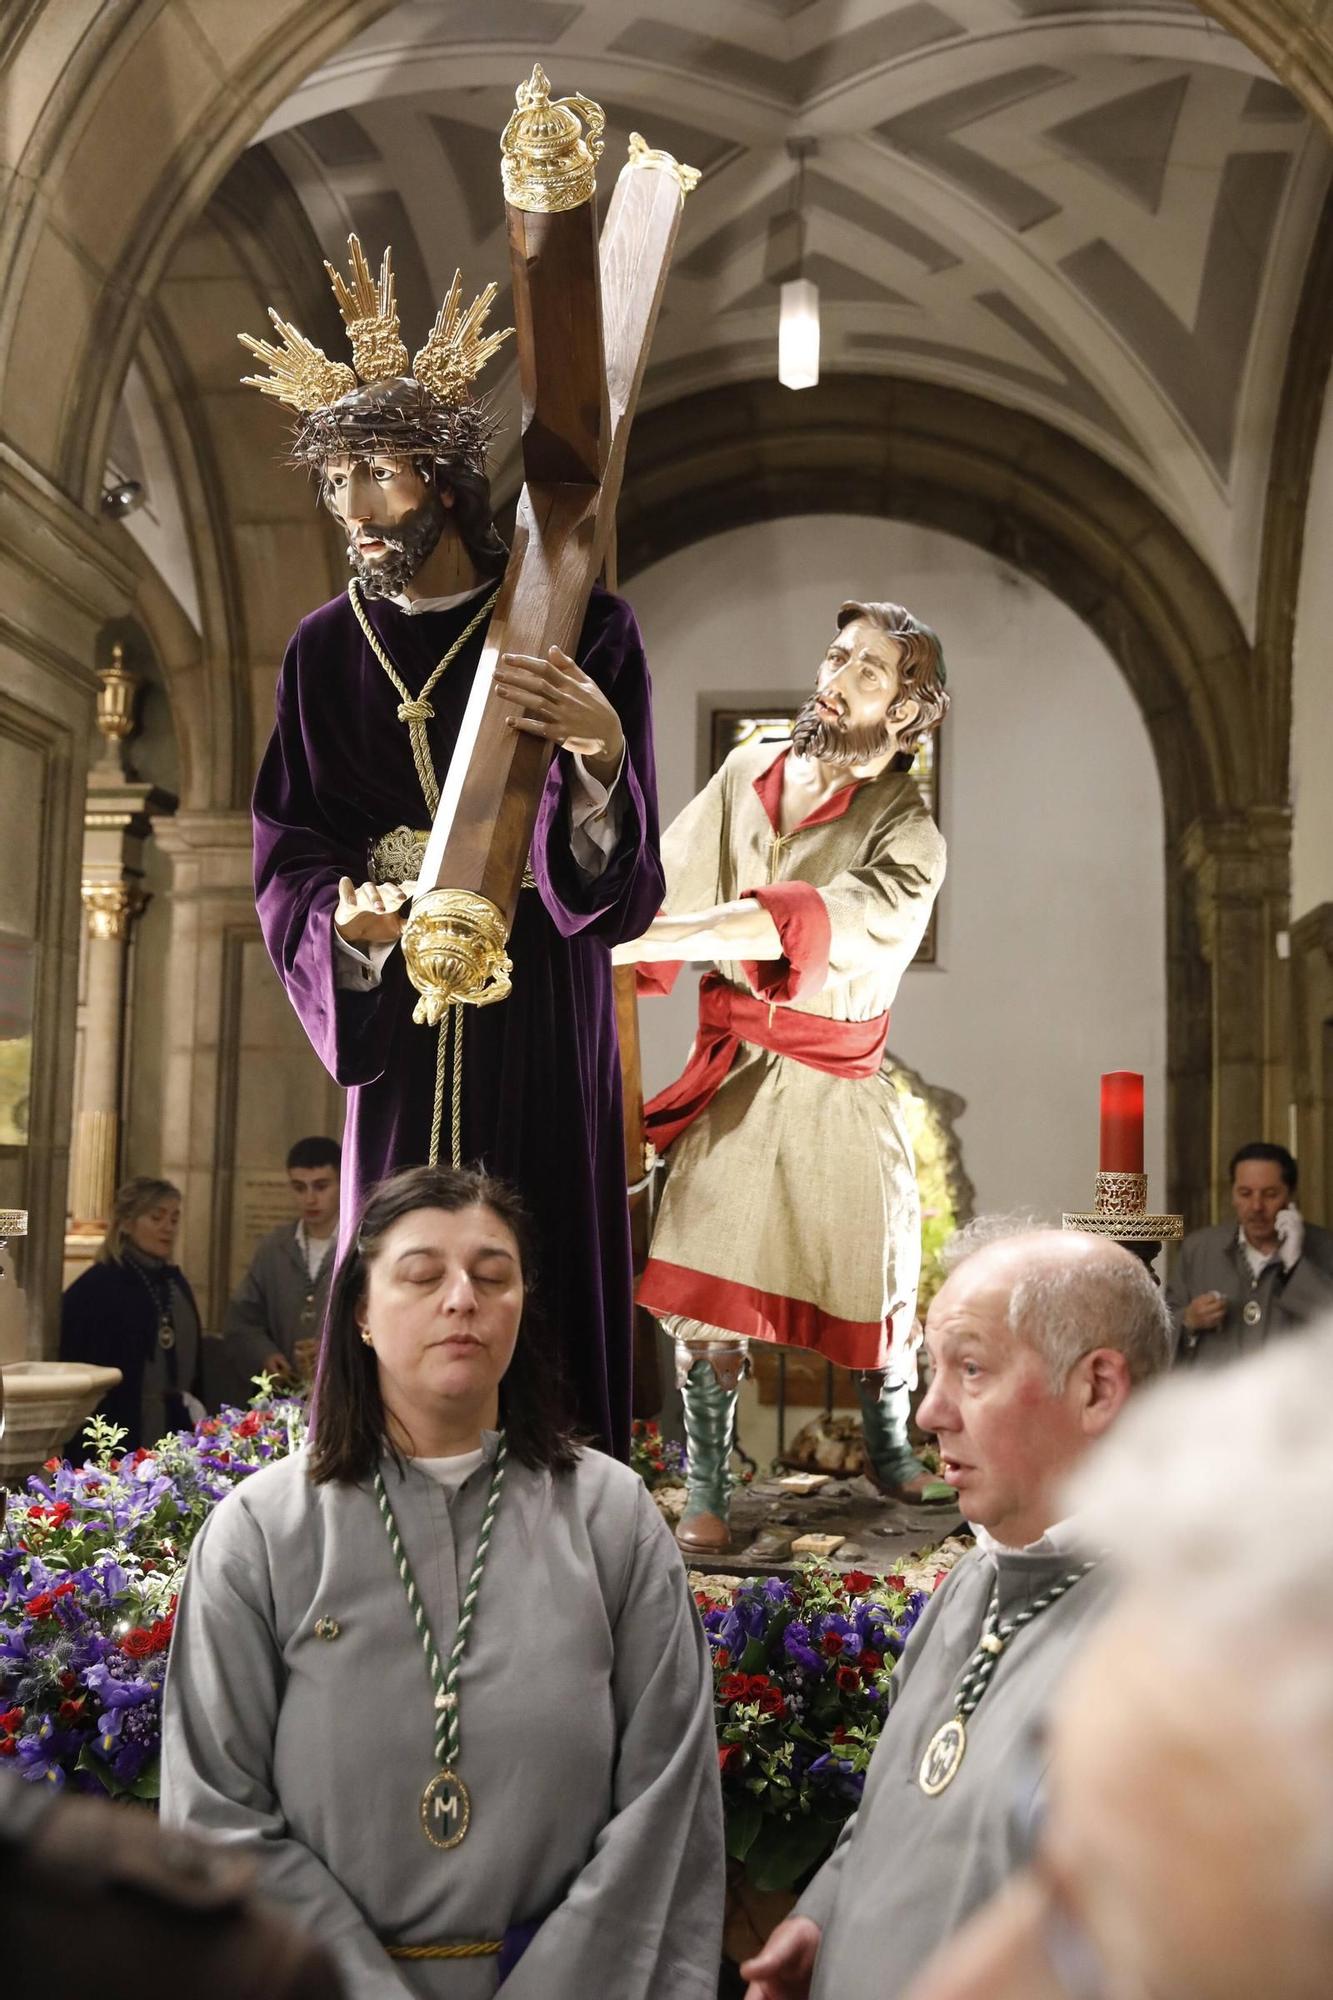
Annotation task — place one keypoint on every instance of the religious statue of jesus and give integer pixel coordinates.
(790, 1213)
(370, 700)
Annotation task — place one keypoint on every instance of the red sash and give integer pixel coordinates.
(728, 1017)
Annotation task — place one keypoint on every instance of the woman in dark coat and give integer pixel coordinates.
(133, 1310)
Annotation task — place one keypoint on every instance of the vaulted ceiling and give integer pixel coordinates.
(1097, 213)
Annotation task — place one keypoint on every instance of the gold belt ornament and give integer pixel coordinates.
(397, 857)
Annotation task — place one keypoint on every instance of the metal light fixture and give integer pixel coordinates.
(798, 334)
(122, 498)
(798, 310)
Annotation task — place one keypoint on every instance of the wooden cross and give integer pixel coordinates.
(584, 315)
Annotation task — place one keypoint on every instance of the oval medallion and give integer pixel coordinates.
(1253, 1312)
(445, 1809)
(944, 1753)
(166, 1334)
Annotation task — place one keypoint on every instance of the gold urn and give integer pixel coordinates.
(550, 148)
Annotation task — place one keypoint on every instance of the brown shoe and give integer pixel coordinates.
(703, 1535)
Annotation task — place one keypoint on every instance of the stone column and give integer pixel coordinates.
(241, 1081)
(95, 1156)
(1240, 866)
(1312, 1058)
(118, 819)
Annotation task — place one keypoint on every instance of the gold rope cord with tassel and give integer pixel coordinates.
(416, 713)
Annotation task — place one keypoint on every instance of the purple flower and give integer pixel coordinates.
(797, 1646)
(39, 1755)
(109, 1683)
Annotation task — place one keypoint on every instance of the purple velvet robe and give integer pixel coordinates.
(541, 1079)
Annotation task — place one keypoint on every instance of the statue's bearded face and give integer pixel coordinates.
(393, 518)
(854, 714)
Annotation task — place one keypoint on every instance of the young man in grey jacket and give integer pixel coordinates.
(274, 1319)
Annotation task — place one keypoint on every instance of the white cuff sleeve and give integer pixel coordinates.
(595, 813)
(355, 970)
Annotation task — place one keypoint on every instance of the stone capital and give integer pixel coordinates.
(111, 907)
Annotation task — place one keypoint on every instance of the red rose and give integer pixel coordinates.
(857, 1582)
(140, 1454)
(92, 1486)
(250, 1426)
(65, 1589)
(70, 1711)
(210, 1427)
(730, 1757)
(11, 1718)
(839, 1734)
(40, 1606)
(60, 1513)
(138, 1644)
(848, 1679)
(68, 1681)
(36, 1512)
(770, 1698)
(51, 1465)
(833, 1644)
(722, 1659)
(871, 1662)
(896, 1582)
(735, 1687)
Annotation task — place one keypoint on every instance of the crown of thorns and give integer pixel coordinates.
(429, 413)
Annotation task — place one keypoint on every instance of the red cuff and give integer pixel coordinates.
(656, 978)
(805, 934)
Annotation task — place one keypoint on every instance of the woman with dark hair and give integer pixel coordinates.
(440, 1672)
(133, 1309)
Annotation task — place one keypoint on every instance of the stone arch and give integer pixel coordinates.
(100, 201)
(1049, 507)
(995, 477)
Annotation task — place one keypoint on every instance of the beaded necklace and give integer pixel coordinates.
(944, 1752)
(446, 1804)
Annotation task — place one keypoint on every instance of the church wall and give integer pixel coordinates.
(1051, 962)
(1312, 698)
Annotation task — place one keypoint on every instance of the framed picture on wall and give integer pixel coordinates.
(729, 728)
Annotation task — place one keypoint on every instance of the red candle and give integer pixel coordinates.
(1122, 1122)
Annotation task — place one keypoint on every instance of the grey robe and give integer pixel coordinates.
(273, 1307)
(908, 1869)
(1211, 1260)
(586, 1724)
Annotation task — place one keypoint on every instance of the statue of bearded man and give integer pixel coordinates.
(806, 875)
(370, 701)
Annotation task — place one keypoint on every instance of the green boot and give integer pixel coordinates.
(710, 1420)
(890, 1461)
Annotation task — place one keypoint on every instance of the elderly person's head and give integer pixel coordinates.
(431, 1338)
(1035, 1342)
(1188, 1846)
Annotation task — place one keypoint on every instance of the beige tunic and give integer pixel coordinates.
(790, 1211)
